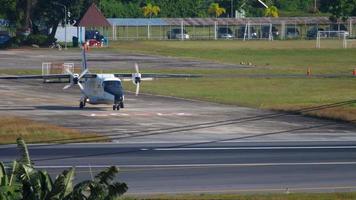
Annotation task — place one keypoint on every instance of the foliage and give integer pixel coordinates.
(216, 10)
(9, 189)
(25, 182)
(101, 187)
(271, 11)
(150, 10)
(38, 39)
(339, 9)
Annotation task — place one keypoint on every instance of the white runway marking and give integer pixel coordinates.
(136, 114)
(198, 165)
(252, 148)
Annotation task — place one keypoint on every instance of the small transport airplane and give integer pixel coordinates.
(101, 88)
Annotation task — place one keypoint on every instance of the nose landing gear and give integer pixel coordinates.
(82, 103)
(117, 106)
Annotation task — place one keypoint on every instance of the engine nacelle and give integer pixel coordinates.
(136, 78)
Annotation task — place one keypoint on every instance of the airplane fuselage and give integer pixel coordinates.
(104, 89)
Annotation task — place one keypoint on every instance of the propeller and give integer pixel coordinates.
(75, 79)
(136, 79)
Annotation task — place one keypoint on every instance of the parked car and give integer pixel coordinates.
(292, 32)
(265, 31)
(240, 32)
(93, 35)
(5, 39)
(225, 33)
(338, 27)
(313, 33)
(176, 33)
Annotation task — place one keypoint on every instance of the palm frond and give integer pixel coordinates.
(4, 179)
(80, 191)
(57, 187)
(25, 156)
(117, 189)
(68, 182)
(107, 175)
(46, 183)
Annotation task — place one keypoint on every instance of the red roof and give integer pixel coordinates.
(93, 18)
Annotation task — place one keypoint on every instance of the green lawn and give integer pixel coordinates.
(277, 57)
(292, 57)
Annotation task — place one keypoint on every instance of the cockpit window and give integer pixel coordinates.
(112, 84)
(113, 87)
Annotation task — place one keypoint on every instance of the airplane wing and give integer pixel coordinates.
(152, 75)
(11, 77)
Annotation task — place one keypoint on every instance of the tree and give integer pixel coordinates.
(271, 11)
(150, 10)
(216, 10)
(339, 9)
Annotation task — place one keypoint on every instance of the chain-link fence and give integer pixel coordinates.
(218, 28)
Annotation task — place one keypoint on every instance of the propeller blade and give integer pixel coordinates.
(137, 88)
(83, 73)
(80, 86)
(136, 68)
(68, 86)
(69, 72)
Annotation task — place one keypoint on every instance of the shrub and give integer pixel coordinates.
(38, 39)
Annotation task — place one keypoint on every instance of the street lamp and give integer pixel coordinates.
(65, 22)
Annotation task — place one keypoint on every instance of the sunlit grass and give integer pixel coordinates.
(37, 132)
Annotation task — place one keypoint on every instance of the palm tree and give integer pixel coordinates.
(150, 10)
(272, 11)
(216, 10)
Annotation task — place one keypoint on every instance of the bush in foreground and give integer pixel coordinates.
(23, 181)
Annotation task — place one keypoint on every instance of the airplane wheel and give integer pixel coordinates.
(81, 105)
(121, 104)
(118, 107)
(114, 107)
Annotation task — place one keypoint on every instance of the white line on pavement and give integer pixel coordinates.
(198, 165)
(252, 148)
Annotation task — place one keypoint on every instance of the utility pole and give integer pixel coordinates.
(314, 6)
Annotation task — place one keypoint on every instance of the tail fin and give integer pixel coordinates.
(84, 58)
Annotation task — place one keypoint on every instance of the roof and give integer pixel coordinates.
(221, 21)
(93, 18)
(137, 21)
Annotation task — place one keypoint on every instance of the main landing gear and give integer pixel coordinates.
(117, 106)
(82, 103)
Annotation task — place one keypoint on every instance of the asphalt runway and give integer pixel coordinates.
(148, 118)
(33, 58)
(209, 168)
(200, 142)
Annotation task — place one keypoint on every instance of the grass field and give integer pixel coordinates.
(269, 57)
(277, 57)
(330, 196)
(13, 127)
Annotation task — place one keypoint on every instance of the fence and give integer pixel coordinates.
(227, 28)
